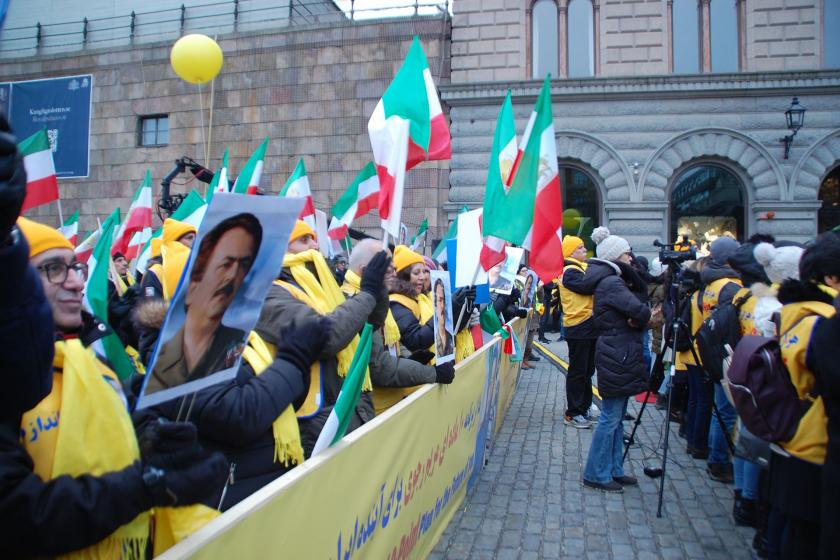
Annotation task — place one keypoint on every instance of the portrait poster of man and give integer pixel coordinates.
(235, 258)
(442, 304)
(529, 288)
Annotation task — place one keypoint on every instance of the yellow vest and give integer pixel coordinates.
(746, 313)
(577, 308)
(712, 293)
(811, 437)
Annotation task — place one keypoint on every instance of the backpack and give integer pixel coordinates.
(762, 391)
(723, 327)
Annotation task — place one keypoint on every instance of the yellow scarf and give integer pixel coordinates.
(120, 284)
(287, 446)
(423, 310)
(82, 427)
(175, 256)
(351, 287)
(323, 295)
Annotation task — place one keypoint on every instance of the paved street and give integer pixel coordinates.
(530, 502)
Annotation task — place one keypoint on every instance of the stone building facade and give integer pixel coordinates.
(308, 78)
(657, 135)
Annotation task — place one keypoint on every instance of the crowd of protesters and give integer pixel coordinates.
(617, 308)
(121, 482)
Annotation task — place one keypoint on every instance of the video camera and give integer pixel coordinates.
(676, 253)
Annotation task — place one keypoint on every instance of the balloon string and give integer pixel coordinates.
(201, 112)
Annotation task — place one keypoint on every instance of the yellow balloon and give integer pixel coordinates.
(196, 58)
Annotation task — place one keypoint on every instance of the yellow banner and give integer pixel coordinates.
(387, 490)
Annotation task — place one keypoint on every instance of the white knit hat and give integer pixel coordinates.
(780, 263)
(609, 247)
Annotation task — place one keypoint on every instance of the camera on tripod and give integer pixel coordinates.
(676, 253)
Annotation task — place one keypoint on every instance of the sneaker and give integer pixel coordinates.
(626, 480)
(594, 411)
(577, 422)
(720, 473)
(611, 486)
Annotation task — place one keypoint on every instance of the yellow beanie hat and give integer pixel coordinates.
(42, 238)
(301, 228)
(405, 257)
(570, 243)
(173, 230)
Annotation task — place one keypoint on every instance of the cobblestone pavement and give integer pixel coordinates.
(530, 503)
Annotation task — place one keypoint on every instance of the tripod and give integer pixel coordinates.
(677, 326)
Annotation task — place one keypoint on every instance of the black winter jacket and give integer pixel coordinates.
(618, 352)
(236, 418)
(506, 305)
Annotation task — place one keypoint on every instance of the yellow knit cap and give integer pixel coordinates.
(42, 238)
(570, 243)
(173, 230)
(301, 228)
(405, 257)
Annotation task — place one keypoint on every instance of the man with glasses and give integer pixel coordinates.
(204, 345)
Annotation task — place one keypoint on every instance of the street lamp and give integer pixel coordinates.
(795, 118)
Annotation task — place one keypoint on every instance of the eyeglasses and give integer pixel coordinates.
(56, 271)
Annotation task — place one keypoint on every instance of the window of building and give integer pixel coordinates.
(544, 39)
(831, 39)
(707, 201)
(581, 207)
(724, 30)
(154, 130)
(828, 216)
(686, 37)
(581, 47)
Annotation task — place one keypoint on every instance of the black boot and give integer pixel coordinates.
(744, 511)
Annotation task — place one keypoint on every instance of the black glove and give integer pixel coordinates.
(193, 483)
(462, 297)
(373, 277)
(12, 180)
(445, 373)
(422, 356)
(169, 445)
(302, 341)
(521, 312)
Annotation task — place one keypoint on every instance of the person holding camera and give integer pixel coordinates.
(620, 318)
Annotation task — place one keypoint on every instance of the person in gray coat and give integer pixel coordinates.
(620, 320)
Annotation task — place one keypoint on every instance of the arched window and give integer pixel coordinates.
(581, 207)
(544, 38)
(686, 37)
(724, 30)
(831, 39)
(707, 201)
(828, 216)
(581, 47)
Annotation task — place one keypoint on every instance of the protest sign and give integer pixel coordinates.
(239, 250)
(529, 288)
(442, 302)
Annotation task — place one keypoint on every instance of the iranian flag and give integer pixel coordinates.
(138, 240)
(85, 248)
(70, 228)
(139, 216)
(298, 186)
(41, 181)
(96, 299)
(220, 182)
(500, 205)
(407, 127)
(420, 236)
(348, 398)
(536, 171)
(248, 181)
(190, 211)
(439, 253)
(361, 197)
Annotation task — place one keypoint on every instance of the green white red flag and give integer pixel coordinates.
(351, 389)
(536, 171)
(418, 238)
(407, 127)
(220, 182)
(138, 240)
(139, 216)
(96, 299)
(191, 211)
(361, 197)
(70, 228)
(499, 223)
(85, 249)
(248, 181)
(298, 186)
(41, 181)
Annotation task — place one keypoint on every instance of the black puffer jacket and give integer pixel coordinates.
(618, 352)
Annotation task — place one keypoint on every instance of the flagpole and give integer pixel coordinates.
(60, 213)
(472, 283)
